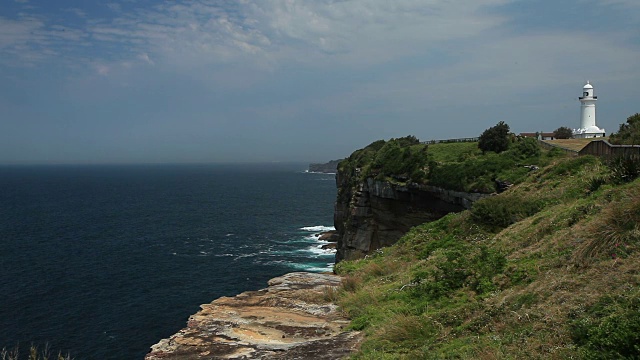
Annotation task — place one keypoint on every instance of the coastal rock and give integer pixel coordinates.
(330, 236)
(291, 319)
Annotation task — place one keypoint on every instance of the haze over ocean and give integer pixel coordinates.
(104, 261)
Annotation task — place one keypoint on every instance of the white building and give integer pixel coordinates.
(588, 127)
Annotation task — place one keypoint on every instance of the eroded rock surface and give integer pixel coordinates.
(372, 214)
(291, 319)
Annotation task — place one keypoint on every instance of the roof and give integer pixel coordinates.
(587, 85)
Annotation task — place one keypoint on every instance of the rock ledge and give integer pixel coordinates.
(291, 319)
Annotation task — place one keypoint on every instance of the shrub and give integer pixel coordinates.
(504, 210)
(484, 266)
(624, 169)
(563, 132)
(610, 329)
(526, 148)
(495, 138)
(616, 232)
(629, 132)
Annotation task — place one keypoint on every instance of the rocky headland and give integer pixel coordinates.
(293, 318)
(328, 168)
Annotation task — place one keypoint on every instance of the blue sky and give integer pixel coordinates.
(130, 81)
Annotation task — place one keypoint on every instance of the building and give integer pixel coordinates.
(539, 135)
(588, 127)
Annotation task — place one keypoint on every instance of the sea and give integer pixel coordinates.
(101, 262)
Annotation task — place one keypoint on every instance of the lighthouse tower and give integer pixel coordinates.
(588, 128)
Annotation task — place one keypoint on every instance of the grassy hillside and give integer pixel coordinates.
(549, 269)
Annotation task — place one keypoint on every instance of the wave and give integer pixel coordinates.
(317, 228)
(319, 251)
(313, 267)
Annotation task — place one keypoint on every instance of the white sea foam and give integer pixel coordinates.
(313, 267)
(224, 255)
(317, 228)
(319, 251)
(245, 256)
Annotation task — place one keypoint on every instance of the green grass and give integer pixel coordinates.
(454, 166)
(546, 270)
(454, 152)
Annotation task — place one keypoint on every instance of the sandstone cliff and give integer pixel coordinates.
(371, 214)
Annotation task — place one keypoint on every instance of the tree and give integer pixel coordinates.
(629, 132)
(495, 138)
(563, 132)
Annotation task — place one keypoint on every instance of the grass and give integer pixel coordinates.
(572, 144)
(454, 166)
(546, 270)
(33, 353)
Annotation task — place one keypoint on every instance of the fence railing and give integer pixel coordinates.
(471, 139)
(605, 149)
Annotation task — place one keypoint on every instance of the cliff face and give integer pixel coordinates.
(371, 214)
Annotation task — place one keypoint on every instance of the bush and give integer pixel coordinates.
(495, 138)
(610, 329)
(503, 210)
(629, 132)
(402, 158)
(624, 169)
(563, 132)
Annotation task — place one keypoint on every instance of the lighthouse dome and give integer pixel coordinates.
(587, 86)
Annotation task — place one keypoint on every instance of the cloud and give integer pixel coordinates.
(78, 12)
(355, 57)
(145, 58)
(114, 7)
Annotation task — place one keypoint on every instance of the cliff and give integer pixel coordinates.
(384, 190)
(294, 318)
(547, 269)
(375, 214)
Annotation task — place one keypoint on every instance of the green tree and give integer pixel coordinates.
(495, 138)
(563, 132)
(629, 132)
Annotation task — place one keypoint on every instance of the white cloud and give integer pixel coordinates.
(114, 7)
(449, 43)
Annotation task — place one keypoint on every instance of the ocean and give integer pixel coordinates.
(104, 261)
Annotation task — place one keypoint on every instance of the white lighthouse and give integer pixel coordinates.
(588, 128)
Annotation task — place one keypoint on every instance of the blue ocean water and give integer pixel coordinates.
(104, 261)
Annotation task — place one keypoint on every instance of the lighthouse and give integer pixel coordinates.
(588, 127)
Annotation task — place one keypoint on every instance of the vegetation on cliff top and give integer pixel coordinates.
(629, 132)
(548, 269)
(456, 166)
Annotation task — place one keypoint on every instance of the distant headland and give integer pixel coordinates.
(328, 168)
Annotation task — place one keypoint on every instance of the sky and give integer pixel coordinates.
(196, 81)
